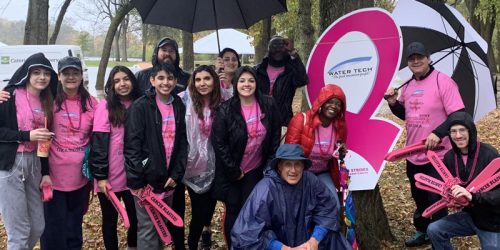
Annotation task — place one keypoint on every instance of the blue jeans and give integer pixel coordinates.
(327, 180)
(460, 224)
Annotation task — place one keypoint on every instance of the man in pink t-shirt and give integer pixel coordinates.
(425, 103)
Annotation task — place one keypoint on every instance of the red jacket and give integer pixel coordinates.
(302, 127)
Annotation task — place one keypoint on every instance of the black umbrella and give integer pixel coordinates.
(199, 15)
(456, 49)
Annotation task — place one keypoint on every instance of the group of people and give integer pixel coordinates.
(215, 132)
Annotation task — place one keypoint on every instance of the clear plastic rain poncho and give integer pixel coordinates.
(200, 167)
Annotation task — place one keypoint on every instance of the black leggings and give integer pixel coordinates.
(110, 219)
(236, 198)
(202, 211)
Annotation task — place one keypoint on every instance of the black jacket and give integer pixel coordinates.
(10, 135)
(181, 75)
(229, 139)
(294, 76)
(99, 155)
(144, 151)
(484, 207)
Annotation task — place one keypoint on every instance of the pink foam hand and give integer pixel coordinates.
(419, 185)
(430, 182)
(118, 205)
(160, 206)
(486, 185)
(158, 223)
(47, 192)
(432, 209)
(439, 166)
(487, 172)
(407, 151)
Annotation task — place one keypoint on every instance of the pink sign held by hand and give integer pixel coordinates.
(118, 205)
(361, 56)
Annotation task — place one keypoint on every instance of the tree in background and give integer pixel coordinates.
(187, 51)
(37, 23)
(84, 40)
(60, 17)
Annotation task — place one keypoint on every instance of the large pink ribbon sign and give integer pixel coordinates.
(360, 52)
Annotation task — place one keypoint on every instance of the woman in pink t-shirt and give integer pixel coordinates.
(245, 135)
(73, 118)
(201, 99)
(106, 160)
(25, 114)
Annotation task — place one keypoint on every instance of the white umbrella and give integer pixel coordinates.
(229, 38)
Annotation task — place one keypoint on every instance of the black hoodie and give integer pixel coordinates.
(181, 75)
(484, 207)
(10, 135)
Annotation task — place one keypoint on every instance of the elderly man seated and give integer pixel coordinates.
(289, 209)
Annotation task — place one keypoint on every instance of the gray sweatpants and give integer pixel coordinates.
(20, 202)
(147, 237)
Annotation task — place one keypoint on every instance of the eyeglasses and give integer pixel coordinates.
(461, 131)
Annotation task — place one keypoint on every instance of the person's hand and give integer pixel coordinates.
(458, 191)
(222, 76)
(241, 175)
(432, 141)
(4, 96)
(102, 186)
(40, 134)
(289, 47)
(45, 180)
(137, 192)
(170, 183)
(219, 65)
(342, 149)
(391, 95)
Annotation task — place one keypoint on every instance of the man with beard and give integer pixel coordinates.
(280, 74)
(166, 51)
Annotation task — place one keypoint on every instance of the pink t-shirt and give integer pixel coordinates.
(167, 127)
(427, 105)
(322, 151)
(30, 116)
(252, 157)
(273, 74)
(73, 130)
(116, 168)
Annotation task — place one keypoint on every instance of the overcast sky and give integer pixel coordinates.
(78, 13)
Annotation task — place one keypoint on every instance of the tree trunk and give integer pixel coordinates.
(60, 17)
(304, 40)
(37, 23)
(124, 43)
(372, 225)
(145, 31)
(265, 35)
(108, 42)
(117, 43)
(187, 51)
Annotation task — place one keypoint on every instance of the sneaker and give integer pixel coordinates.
(206, 240)
(418, 239)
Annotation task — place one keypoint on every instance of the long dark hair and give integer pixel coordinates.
(116, 110)
(196, 98)
(221, 54)
(238, 73)
(82, 91)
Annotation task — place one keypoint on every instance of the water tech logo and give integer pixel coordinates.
(351, 68)
(5, 60)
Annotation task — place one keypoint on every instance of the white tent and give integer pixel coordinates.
(229, 38)
(3, 44)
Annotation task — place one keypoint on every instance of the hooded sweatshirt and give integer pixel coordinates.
(484, 208)
(181, 75)
(10, 134)
(302, 127)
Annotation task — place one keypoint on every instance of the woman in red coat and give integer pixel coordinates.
(318, 130)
